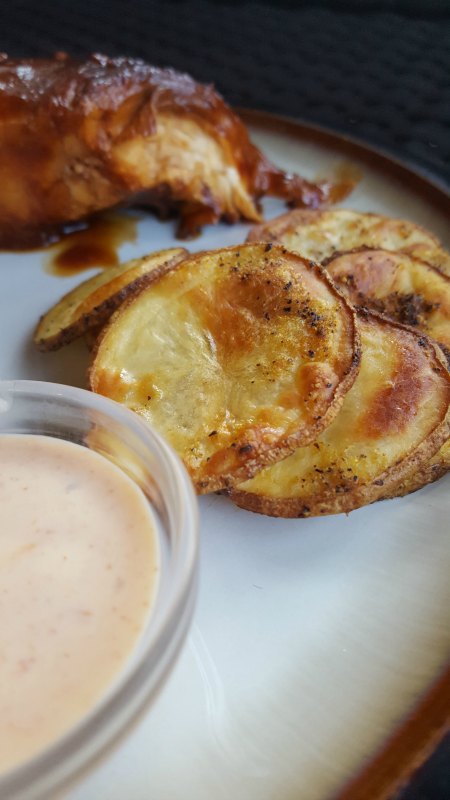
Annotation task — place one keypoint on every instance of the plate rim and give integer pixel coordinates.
(416, 737)
(423, 180)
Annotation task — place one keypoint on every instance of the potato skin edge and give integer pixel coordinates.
(101, 313)
(259, 458)
(381, 488)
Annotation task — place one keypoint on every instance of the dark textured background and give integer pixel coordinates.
(378, 70)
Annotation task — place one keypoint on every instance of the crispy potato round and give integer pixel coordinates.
(236, 356)
(392, 421)
(320, 234)
(91, 303)
(409, 291)
(399, 286)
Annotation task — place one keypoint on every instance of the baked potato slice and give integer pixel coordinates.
(91, 303)
(319, 234)
(392, 421)
(236, 356)
(399, 286)
(407, 290)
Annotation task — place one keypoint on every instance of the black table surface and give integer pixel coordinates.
(377, 70)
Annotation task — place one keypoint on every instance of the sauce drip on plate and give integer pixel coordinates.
(95, 245)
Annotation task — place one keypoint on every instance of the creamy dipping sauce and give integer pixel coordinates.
(79, 568)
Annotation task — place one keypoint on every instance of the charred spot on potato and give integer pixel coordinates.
(234, 384)
(392, 421)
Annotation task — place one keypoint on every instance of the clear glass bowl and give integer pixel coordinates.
(79, 416)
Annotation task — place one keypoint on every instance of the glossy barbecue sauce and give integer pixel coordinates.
(78, 575)
(95, 245)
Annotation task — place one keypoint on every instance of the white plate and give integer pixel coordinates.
(313, 639)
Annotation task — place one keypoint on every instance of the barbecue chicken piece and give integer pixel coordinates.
(77, 137)
(321, 234)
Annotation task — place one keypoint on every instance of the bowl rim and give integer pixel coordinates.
(127, 697)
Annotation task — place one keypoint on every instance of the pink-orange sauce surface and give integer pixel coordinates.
(79, 569)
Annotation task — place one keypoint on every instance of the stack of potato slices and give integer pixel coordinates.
(319, 234)
(237, 356)
(392, 420)
(298, 389)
